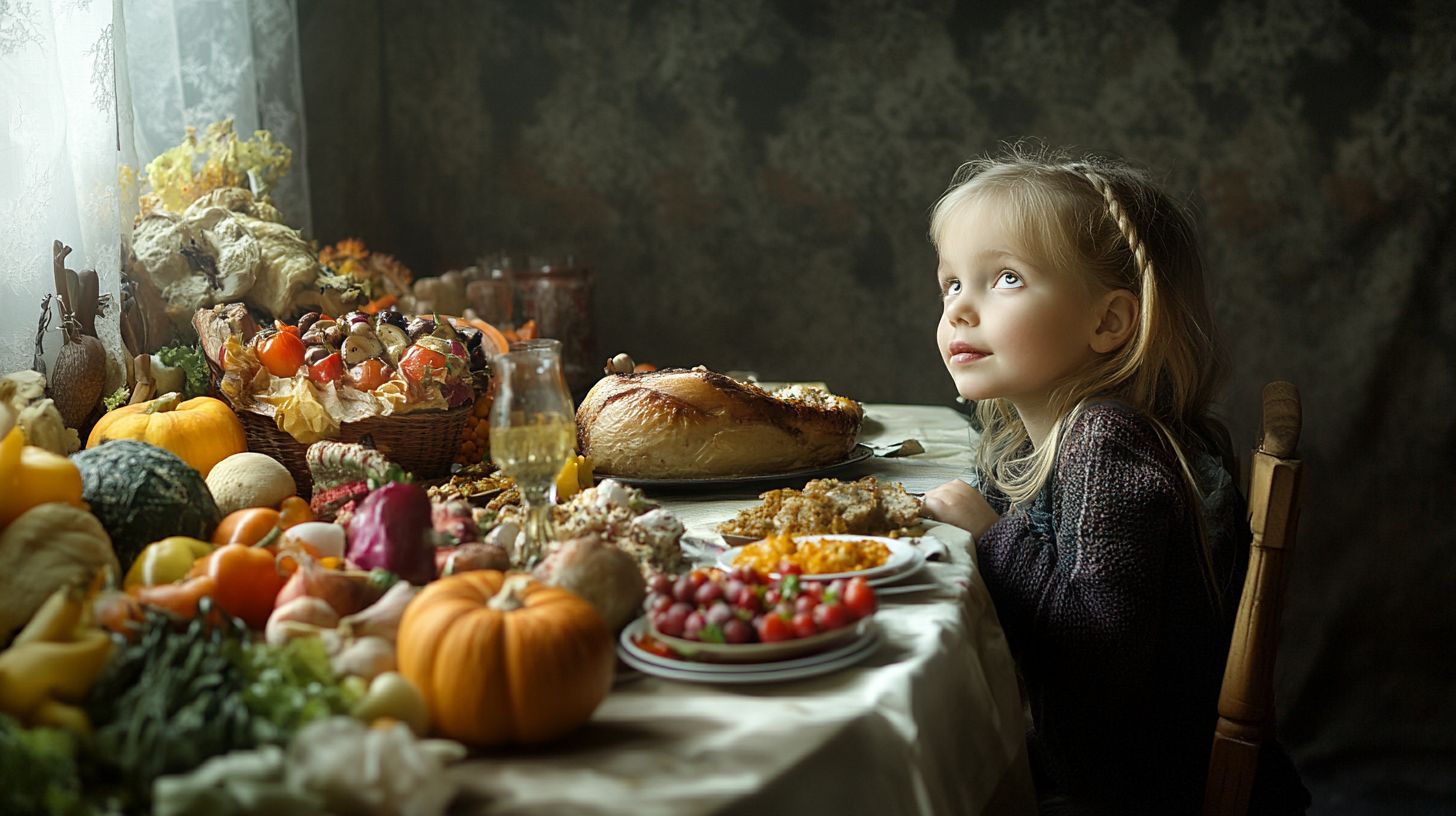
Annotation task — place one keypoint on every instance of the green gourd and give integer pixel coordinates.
(142, 493)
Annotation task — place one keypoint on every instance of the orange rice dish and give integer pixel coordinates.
(817, 556)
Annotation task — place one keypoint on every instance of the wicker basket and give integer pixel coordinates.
(423, 443)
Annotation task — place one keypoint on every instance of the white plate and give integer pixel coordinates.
(849, 638)
(712, 673)
(901, 555)
(910, 569)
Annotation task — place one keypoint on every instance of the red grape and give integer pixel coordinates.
(709, 592)
(693, 625)
(672, 621)
(660, 583)
(659, 603)
(684, 588)
(736, 631)
(720, 613)
(745, 599)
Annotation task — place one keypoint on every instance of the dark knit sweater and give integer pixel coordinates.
(1100, 588)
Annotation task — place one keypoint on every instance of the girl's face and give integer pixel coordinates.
(1008, 328)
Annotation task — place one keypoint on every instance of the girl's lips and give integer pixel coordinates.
(962, 353)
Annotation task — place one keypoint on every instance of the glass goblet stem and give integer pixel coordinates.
(539, 528)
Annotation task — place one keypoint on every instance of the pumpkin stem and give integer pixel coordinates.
(164, 403)
(512, 595)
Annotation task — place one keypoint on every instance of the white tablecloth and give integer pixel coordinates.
(930, 723)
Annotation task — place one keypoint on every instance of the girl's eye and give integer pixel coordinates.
(1008, 280)
(950, 288)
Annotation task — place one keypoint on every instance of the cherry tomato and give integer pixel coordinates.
(369, 375)
(327, 370)
(831, 616)
(859, 598)
(803, 624)
(774, 628)
(418, 363)
(279, 352)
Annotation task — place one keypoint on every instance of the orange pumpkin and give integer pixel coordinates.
(503, 659)
(201, 431)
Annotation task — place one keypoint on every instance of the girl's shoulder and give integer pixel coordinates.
(1109, 418)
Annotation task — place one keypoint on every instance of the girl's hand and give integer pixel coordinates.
(956, 502)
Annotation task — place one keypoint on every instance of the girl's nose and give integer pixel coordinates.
(961, 310)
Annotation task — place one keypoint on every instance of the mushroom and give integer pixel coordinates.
(620, 364)
(394, 339)
(361, 346)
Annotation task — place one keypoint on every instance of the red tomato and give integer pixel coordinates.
(418, 362)
(369, 375)
(859, 598)
(831, 616)
(803, 624)
(327, 370)
(279, 352)
(773, 628)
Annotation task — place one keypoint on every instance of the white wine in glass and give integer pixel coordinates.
(532, 436)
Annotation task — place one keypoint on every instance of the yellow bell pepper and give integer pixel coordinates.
(166, 561)
(575, 476)
(34, 476)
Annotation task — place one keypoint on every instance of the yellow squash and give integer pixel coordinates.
(201, 431)
(30, 476)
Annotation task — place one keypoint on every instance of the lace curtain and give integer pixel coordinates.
(92, 90)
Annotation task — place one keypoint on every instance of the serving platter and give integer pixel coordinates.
(860, 453)
(825, 662)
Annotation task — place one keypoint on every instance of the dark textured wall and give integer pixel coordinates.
(750, 181)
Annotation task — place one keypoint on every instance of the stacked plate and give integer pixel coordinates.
(852, 648)
(904, 559)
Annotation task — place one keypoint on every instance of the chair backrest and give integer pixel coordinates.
(1246, 701)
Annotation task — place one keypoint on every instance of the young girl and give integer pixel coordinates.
(1107, 527)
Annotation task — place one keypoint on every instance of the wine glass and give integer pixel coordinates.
(532, 436)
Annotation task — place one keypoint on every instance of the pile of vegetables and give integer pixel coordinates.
(191, 635)
(183, 693)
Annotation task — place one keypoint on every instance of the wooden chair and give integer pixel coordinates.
(1246, 701)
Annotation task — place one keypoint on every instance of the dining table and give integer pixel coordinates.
(930, 721)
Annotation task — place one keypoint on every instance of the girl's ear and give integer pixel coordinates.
(1119, 314)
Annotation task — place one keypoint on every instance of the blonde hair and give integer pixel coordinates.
(1109, 222)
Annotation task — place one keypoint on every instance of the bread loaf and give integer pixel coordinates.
(694, 423)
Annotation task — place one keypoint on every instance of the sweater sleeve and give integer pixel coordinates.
(1083, 592)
